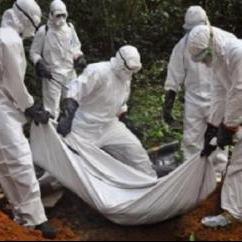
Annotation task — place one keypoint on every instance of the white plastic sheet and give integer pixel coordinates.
(122, 194)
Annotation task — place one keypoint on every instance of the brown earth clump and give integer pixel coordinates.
(10, 231)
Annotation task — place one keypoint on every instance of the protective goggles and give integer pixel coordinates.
(204, 54)
(63, 15)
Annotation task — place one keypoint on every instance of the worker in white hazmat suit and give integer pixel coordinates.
(95, 101)
(197, 80)
(56, 54)
(208, 45)
(17, 175)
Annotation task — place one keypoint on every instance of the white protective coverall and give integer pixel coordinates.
(58, 45)
(102, 92)
(226, 103)
(17, 175)
(197, 79)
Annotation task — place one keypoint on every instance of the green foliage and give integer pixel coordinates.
(146, 110)
(154, 26)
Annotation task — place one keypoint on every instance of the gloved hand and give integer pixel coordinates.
(225, 136)
(38, 114)
(80, 64)
(168, 106)
(42, 70)
(69, 108)
(122, 116)
(210, 133)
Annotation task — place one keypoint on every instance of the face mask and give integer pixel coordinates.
(137, 69)
(203, 55)
(28, 32)
(60, 20)
(206, 57)
(124, 74)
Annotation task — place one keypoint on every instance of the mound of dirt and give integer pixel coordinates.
(10, 231)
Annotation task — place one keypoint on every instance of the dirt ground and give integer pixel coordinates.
(76, 221)
(190, 223)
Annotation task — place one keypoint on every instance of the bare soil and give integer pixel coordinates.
(77, 221)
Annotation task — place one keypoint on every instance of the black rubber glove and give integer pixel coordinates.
(210, 133)
(38, 114)
(80, 64)
(225, 136)
(69, 108)
(123, 116)
(168, 106)
(42, 70)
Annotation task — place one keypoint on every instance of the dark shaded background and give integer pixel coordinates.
(152, 25)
